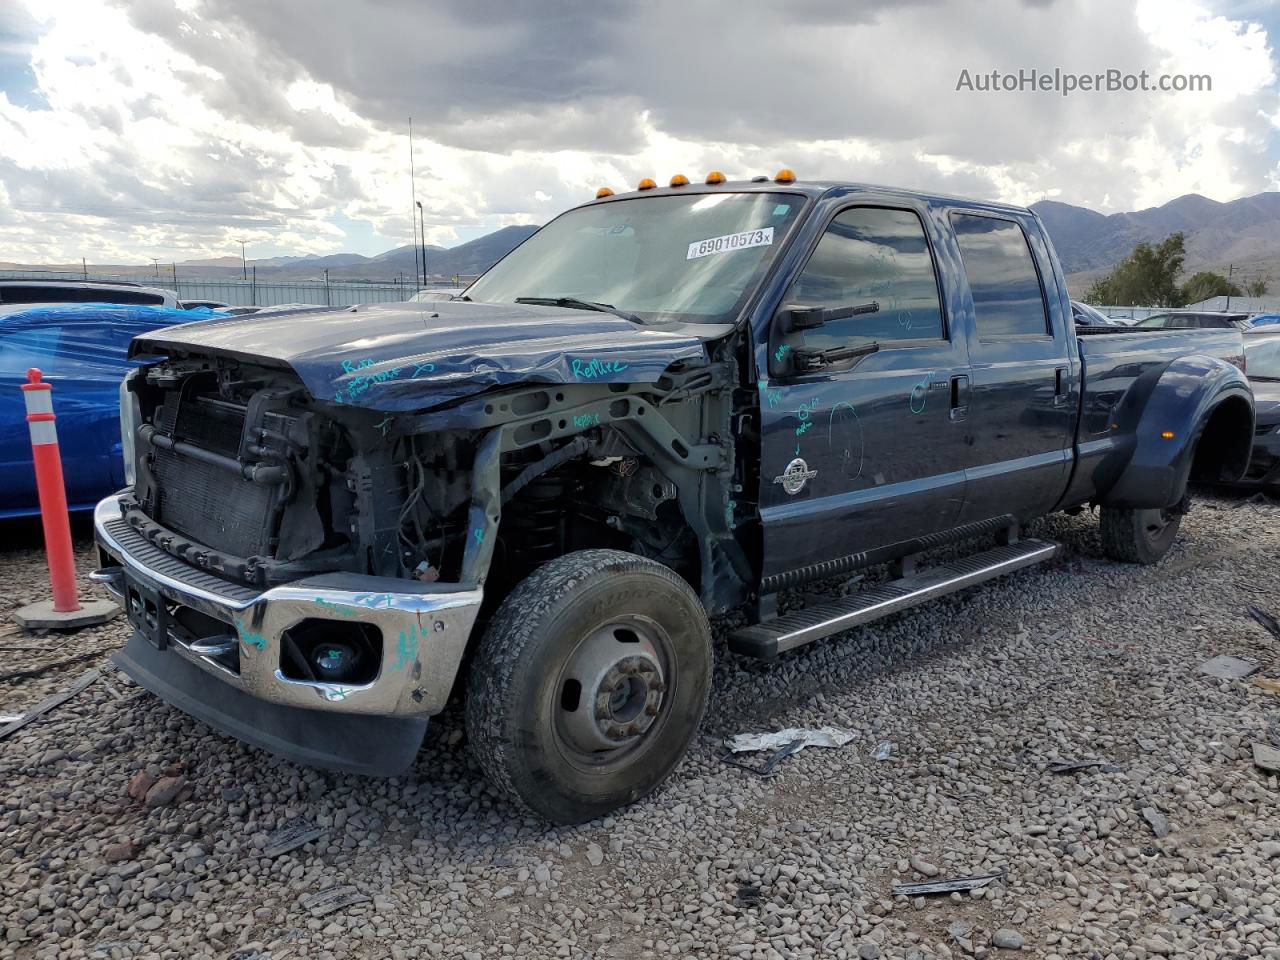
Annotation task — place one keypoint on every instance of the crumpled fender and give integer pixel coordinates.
(1167, 411)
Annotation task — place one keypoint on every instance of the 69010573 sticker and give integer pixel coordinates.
(732, 241)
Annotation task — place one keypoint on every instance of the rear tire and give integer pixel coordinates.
(589, 684)
(1139, 536)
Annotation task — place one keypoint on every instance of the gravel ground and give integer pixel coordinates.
(1082, 659)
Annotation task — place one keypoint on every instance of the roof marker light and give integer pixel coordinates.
(603, 192)
(1166, 434)
(784, 175)
(679, 180)
(715, 176)
(645, 184)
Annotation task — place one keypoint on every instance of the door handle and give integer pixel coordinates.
(959, 396)
(1060, 391)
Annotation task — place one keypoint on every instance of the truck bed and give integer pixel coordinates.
(1119, 369)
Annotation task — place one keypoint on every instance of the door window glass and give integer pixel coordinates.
(1007, 298)
(872, 255)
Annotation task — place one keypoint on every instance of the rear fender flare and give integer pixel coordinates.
(1177, 407)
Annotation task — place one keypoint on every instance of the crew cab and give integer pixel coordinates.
(665, 405)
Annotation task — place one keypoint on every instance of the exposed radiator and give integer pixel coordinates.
(205, 502)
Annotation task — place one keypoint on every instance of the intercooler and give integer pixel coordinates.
(211, 504)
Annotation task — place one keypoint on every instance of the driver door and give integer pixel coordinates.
(860, 453)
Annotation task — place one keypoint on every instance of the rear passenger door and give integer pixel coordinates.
(1025, 380)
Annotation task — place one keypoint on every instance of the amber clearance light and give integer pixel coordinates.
(645, 184)
(679, 180)
(603, 192)
(784, 176)
(715, 176)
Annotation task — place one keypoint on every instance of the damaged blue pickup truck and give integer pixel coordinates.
(665, 405)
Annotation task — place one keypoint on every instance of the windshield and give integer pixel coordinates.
(694, 257)
(1262, 357)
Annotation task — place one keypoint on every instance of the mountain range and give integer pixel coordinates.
(1242, 236)
(466, 259)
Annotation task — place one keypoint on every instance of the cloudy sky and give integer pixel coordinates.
(171, 128)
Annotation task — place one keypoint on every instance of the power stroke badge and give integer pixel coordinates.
(795, 476)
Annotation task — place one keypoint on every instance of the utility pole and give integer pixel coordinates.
(84, 267)
(413, 193)
(1231, 269)
(244, 264)
(156, 262)
(423, 225)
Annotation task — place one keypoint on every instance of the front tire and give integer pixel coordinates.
(589, 684)
(1139, 536)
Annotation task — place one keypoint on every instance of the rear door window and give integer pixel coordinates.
(1008, 299)
(48, 293)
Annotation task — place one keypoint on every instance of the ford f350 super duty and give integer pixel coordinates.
(665, 405)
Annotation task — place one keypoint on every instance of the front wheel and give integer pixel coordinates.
(589, 684)
(1139, 536)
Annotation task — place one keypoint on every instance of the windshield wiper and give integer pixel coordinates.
(576, 304)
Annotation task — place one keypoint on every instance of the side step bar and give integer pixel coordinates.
(795, 629)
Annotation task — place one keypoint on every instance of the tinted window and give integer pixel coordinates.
(872, 255)
(1002, 275)
(55, 294)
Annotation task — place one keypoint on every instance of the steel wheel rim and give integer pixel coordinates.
(1155, 523)
(612, 693)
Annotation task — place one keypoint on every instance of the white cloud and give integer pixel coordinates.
(175, 128)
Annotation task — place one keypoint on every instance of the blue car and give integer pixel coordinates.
(82, 349)
(1264, 320)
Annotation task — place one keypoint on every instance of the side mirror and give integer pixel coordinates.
(795, 317)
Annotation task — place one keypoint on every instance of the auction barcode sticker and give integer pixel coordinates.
(733, 241)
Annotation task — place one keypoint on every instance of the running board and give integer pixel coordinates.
(795, 629)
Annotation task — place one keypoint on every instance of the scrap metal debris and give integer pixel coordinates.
(784, 743)
(1268, 622)
(49, 703)
(748, 895)
(1229, 668)
(882, 751)
(770, 764)
(1075, 766)
(42, 670)
(290, 837)
(1266, 758)
(326, 901)
(817, 737)
(956, 885)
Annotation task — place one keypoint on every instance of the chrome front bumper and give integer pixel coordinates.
(424, 627)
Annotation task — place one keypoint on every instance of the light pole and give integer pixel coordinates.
(244, 265)
(422, 224)
(156, 262)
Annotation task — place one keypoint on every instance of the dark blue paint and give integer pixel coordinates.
(398, 357)
(1029, 440)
